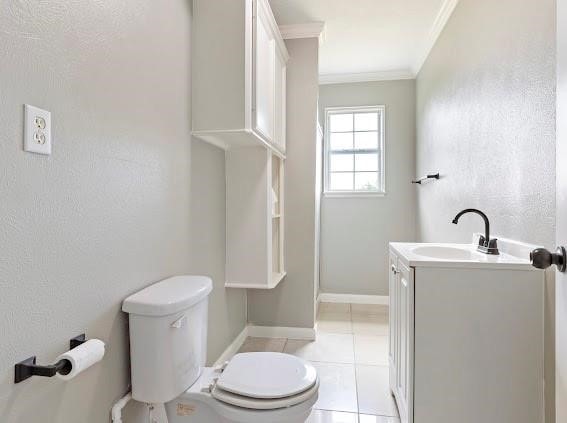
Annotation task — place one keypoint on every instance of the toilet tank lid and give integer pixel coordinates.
(168, 296)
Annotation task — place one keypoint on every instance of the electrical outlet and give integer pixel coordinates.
(37, 130)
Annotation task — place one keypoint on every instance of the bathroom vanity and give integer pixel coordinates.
(466, 334)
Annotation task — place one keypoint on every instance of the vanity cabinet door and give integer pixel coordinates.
(264, 73)
(393, 328)
(405, 323)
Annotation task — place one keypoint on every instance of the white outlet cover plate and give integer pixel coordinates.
(32, 131)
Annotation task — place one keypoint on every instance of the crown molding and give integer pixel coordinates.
(445, 12)
(343, 78)
(305, 30)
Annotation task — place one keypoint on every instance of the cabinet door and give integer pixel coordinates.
(405, 344)
(264, 73)
(393, 310)
(280, 101)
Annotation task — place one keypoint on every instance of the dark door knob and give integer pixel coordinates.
(542, 258)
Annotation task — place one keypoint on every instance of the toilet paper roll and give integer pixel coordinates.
(82, 357)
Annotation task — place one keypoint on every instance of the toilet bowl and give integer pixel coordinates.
(168, 332)
(285, 393)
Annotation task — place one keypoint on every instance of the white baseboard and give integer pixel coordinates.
(264, 332)
(282, 332)
(232, 348)
(354, 299)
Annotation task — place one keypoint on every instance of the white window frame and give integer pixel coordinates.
(381, 191)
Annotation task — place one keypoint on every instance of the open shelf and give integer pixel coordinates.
(274, 281)
(277, 278)
(255, 219)
(278, 271)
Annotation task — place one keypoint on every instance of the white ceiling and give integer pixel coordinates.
(383, 37)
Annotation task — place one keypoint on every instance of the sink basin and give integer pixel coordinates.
(513, 254)
(445, 253)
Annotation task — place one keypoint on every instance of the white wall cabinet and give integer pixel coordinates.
(238, 74)
(238, 103)
(280, 98)
(255, 218)
(466, 343)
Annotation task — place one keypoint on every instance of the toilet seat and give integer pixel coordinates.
(266, 380)
(263, 403)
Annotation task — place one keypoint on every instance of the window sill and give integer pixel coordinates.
(352, 194)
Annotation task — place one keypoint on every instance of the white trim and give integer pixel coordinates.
(305, 30)
(439, 23)
(232, 348)
(354, 299)
(308, 334)
(353, 194)
(381, 110)
(345, 78)
(264, 7)
(282, 332)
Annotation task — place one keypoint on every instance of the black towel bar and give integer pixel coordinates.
(425, 178)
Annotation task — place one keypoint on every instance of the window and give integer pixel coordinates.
(354, 150)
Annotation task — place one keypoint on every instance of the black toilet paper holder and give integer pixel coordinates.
(28, 368)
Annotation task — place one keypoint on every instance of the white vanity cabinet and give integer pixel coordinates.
(466, 338)
(238, 74)
(401, 335)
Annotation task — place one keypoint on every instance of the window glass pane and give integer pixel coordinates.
(365, 140)
(341, 122)
(366, 121)
(341, 181)
(342, 163)
(366, 181)
(366, 162)
(341, 141)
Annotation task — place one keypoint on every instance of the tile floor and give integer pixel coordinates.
(351, 357)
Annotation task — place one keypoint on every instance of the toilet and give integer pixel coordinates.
(168, 337)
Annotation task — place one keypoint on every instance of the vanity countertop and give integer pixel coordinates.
(513, 255)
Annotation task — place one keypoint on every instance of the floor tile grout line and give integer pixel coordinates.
(356, 365)
(285, 344)
(346, 412)
(352, 412)
(355, 376)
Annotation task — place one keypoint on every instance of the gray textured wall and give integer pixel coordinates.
(561, 332)
(227, 307)
(355, 232)
(486, 121)
(109, 212)
(291, 303)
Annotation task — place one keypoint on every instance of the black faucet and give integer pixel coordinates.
(485, 244)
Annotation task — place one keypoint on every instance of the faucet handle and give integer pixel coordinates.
(488, 246)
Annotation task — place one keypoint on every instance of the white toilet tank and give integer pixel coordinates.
(168, 336)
